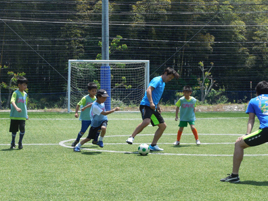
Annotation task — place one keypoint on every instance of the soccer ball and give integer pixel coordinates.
(143, 149)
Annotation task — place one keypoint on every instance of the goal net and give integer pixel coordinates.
(124, 80)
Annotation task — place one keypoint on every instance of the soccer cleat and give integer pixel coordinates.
(231, 178)
(176, 143)
(198, 142)
(12, 146)
(77, 149)
(74, 143)
(155, 148)
(130, 140)
(100, 143)
(94, 142)
(20, 146)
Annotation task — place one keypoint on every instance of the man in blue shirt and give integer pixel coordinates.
(150, 110)
(257, 106)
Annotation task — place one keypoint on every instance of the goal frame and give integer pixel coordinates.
(106, 63)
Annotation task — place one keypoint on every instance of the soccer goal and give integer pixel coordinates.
(124, 80)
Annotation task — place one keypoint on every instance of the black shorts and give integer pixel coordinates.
(256, 138)
(94, 130)
(16, 125)
(155, 116)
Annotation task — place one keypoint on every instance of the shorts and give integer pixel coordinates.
(149, 113)
(256, 138)
(94, 130)
(85, 125)
(184, 123)
(16, 125)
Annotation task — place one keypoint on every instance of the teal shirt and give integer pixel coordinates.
(20, 99)
(85, 115)
(187, 108)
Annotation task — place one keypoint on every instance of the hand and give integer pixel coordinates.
(27, 117)
(117, 109)
(18, 110)
(176, 119)
(152, 105)
(83, 109)
(76, 115)
(158, 109)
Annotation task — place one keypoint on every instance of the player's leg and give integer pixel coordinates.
(22, 132)
(14, 127)
(146, 113)
(84, 127)
(103, 132)
(194, 131)
(157, 119)
(182, 124)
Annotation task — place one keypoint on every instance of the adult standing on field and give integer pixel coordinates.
(150, 109)
(257, 106)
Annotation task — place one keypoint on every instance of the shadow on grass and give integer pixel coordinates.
(91, 153)
(181, 145)
(255, 183)
(10, 149)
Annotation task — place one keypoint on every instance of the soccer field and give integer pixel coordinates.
(48, 169)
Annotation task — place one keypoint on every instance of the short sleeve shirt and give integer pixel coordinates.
(187, 108)
(95, 113)
(259, 106)
(159, 86)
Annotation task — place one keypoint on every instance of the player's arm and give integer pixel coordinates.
(251, 120)
(149, 96)
(158, 108)
(76, 111)
(110, 111)
(87, 106)
(177, 112)
(13, 102)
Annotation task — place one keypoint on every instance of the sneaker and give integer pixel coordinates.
(230, 178)
(130, 140)
(155, 148)
(94, 142)
(20, 146)
(176, 143)
(77, 149)
(74, 143)
(198, 142)
(12, 146)
(100, 143)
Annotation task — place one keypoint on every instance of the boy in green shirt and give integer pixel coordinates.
(85, 105)
(18, 113)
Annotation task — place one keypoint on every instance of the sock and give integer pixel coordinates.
(79, 145)
(195, 133)
(21, 137)
(234, 175)
(96, 137)
(79, 136)
(153, 145)
(101, 138)
(13, 138)
(179, 135)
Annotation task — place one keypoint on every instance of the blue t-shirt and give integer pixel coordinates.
(259, 106)
(159, 86)
(95, 113)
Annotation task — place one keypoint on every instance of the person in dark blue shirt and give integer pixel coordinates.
(257, 106)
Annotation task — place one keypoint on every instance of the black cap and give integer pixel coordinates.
(102, 93)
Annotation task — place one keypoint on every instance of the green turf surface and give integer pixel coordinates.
(45, 170)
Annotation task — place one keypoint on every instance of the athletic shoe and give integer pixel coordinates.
(100, 143)
(74, 143)
(77, 149)
(198, 142)
(94, 142)
(176, 143)
(232, 179)
(155, 148)
(13, 146)
(130, 140)
(20, 146)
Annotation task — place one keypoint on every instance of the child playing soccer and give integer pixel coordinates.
(98, 119)
(186, 105)
(85, 105)
(18, 113)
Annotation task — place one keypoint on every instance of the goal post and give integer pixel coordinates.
(124, 80)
